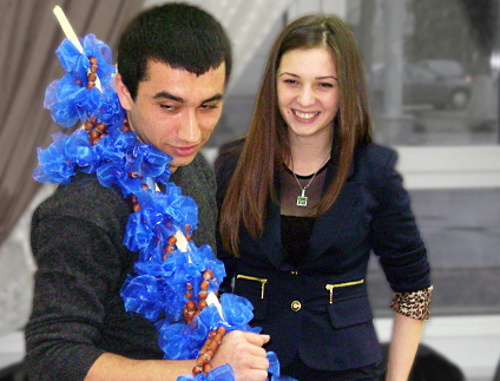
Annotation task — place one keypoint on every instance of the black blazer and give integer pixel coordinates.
(321, 309)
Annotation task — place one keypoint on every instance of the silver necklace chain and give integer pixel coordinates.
(302, 199)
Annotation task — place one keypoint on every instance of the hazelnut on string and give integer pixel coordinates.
(126, 126)
(192, 309)
(135, 203)
(187, 228)
(92, 76)
(207, 352)
(189, 291)
(172, 240)
(93, 64)
(96, 131)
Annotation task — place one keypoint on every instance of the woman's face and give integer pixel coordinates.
(308, 95)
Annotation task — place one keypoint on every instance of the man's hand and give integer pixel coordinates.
(244, 352)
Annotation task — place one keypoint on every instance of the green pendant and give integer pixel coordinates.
(302, 199)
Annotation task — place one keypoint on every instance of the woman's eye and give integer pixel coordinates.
(290, 81)
(325, 85)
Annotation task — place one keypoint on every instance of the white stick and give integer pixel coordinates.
(182, 243)
(71, 36)
(212, 299)
(67, 29)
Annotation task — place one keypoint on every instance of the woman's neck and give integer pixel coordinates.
(307, 156)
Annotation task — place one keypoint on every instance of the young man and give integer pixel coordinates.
(173, 62)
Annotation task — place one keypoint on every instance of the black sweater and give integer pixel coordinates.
(77, 239)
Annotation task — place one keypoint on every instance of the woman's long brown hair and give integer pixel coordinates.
(267, 147)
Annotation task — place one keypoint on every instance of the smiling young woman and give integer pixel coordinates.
(304, 199)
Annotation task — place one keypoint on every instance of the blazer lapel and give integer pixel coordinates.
(270, 242)
(329, 228)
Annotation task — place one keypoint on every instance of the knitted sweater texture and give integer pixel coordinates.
(77, 240)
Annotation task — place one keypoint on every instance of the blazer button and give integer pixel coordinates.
(296, 305)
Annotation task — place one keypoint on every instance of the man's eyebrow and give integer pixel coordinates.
(216, 97)
(167, 95)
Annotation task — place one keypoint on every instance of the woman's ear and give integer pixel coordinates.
(123, 94)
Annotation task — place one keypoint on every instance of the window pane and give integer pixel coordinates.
(431, 76)
(461, 229)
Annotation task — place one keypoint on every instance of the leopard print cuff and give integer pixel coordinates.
(415, 304)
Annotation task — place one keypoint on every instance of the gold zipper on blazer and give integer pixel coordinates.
(263, 282)
(331, 287)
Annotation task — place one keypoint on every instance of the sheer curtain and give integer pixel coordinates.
(29, 35)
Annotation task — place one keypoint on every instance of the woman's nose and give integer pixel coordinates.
(306, 96)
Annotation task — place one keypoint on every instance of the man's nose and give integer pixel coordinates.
(189, 130)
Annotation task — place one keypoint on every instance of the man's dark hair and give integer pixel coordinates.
(180, 35)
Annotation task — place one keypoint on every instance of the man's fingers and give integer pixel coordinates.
(253, 375)
(257, 339)
(266, 338)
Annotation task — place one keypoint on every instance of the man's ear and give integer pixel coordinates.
(123, 94)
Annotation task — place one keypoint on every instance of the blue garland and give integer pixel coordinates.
(118, 158)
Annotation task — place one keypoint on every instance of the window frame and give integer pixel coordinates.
(443, 167)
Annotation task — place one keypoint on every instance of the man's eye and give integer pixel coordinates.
(209, 107)
(167, 107)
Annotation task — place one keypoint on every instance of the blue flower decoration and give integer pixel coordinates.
(54, 166)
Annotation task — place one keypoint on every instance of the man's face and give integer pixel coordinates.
(175, 110)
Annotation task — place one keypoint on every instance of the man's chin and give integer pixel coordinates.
(181, 161)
